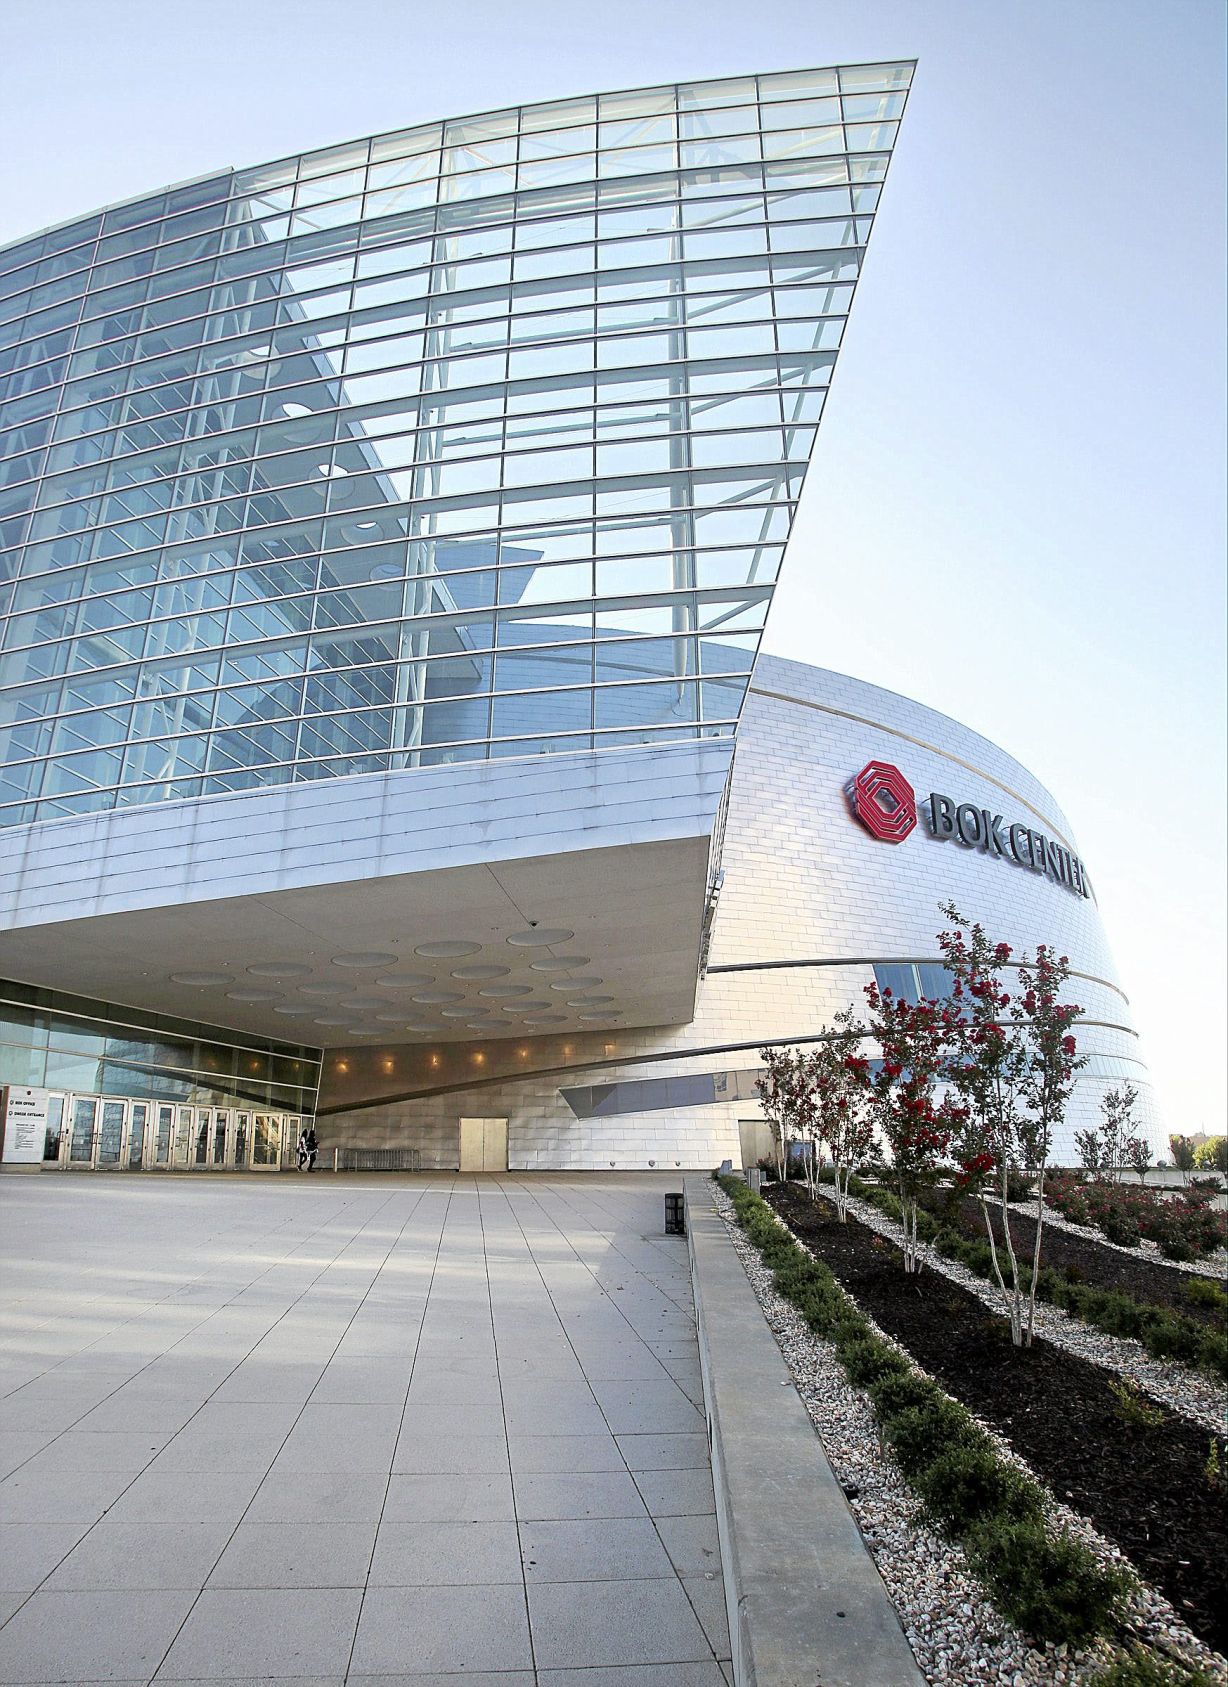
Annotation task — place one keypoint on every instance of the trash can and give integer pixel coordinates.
(675, 1216)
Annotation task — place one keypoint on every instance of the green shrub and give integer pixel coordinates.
(904, 1393)
(1204, 1291)
(867, 1358)
(1048, 1584)
(965, 1484)
(1121, 1227)
(921, 1434)
(1140, 1667)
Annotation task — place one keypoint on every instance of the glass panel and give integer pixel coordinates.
(81, 1141)
(163, 1129)
(136, 1133)
(266, 1140)
(55, 1126)
(110, 1134)
(242, 1136)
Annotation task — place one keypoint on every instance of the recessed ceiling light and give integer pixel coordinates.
(559, 963)
(373, 958)
(255, 996)
(447, 949)
(480, 972)
(200, 979)
(540, 937)
(435, 997)
(278, 969)
(406, 980)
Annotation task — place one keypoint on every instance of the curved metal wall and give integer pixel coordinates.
(811, 903)
(478, 439)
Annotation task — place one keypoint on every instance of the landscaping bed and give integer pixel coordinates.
(1146, 1489)
(1085, 1260)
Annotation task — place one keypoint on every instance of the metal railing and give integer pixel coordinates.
(377, 1160)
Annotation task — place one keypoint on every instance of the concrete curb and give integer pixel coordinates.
(807, 1607)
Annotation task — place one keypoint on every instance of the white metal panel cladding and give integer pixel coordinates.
(804, 883)
(482, 439)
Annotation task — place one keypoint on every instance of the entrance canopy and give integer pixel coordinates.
(470, 902)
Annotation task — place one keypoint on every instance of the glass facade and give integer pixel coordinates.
(480, 439)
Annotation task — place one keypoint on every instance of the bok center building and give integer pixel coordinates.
(386, 539)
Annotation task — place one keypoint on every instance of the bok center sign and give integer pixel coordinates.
(882, 799)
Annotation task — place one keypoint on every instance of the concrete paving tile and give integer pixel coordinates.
(447, 1498)
(60, 1496)
(606, 1493)
(684, 1450)
(269, 1381)
(586, 1624)
(97, 1636)
(10, 1602)
(474, 1455)
(317, 1496)
(142, 1556)
(287, 1555)
(707, 1596)
(608, 1549)
(370, 1381)
(464, 1419)
(124, 1411)
(540, 1454)
(190, 1496)
(676, 1493)
(503, 1678)
(645, 1404)
(691, 1542)
(635, 1675)
(121, 1450)
(433, 1554)
(446, 1630)
(31, 1551)
(232, 1634)
(18, 1445)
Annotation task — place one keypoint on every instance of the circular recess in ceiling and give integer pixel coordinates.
(447, 950)
(505, 990)
(479, 1025)
(605, 1018)
(322, 990)
(575, 983)
(589, 1001)
(365, 1031)
(530, 1007)
(278, 969)
(295, 1012)
(480, 972)
(373, 958)
(540, 937)
(436, 997)
(331, 1019)
(547, 1019)
(255, 996)
(455, 1013)
(559, 963)
(406, 980)
(202, 978)
(391, 1018)
(362, 1004)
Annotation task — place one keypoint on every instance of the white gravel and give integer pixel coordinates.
(1182, 1389)
(956, 1634)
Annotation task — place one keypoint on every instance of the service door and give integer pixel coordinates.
(483, 1145)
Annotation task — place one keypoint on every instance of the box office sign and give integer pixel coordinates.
(884, 802)
(25, 1125)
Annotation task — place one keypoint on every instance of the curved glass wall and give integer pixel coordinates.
(479, 439)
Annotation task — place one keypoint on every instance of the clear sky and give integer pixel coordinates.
(1016, 508)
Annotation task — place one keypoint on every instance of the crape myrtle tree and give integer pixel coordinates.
(1106, 1151)
(1182, 1150)
(1011, 1060)
(901, 1091)
(843, 1118)
(785, 1094)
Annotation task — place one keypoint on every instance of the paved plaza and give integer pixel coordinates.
(352, 1430)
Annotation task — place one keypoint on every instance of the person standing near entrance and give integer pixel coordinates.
(308, 1148)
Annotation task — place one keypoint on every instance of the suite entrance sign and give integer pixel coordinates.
(25, 1125)
(882, 799)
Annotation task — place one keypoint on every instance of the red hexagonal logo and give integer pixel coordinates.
(883, 800)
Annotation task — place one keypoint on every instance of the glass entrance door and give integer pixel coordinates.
(82, 1120)
(112, 1117)
(109, 1133)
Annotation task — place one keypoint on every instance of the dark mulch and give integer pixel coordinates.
(1089, 1261)
(1145, 1490)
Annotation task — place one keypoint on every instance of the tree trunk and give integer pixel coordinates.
(1040, 1220)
